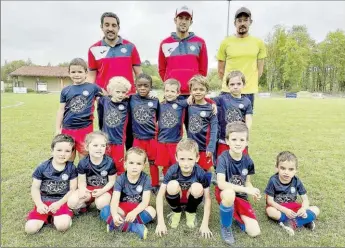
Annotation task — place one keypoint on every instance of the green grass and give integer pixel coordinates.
(314, 129)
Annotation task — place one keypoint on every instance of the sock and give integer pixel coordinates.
(283, 217)
(174, 202)
(105, 213)
(302, 221)
(143, 218)
(154, 172)
(193, 203)
(209, 177)
(226, 214)
(165, 170)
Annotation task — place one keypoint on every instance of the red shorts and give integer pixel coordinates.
(128, 206)
(92, 199)
(166, 154)
(117, 153)
(241, 207)
(294, 206)
(149, 146)
(205, 162)
(34, 215)
(79, 136)
(224, 147)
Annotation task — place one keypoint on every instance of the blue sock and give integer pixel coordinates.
(144, 217)
(209, 177)
(302, 221)
(283, 217)
(242, 226)
(105, 212)
(226, 214)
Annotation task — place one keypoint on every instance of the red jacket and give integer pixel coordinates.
(181, 59)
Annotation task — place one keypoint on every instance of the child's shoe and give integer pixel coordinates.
(191, 219)
(174, 219)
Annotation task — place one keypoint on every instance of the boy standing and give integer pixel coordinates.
(233, 178)
(281, 195)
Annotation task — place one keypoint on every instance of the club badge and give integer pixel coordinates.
(121, 107)
(64, 177)
(139, 188)
(241, 106)
(104, 173)
(192, 48)
(293, 190)
(174, 106)
(244, 172)
(86, 93)
(202, 113)
(150, 104)
(123, 50)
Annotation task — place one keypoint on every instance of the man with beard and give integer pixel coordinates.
(183, 54)
(113, 55)
(242, 52)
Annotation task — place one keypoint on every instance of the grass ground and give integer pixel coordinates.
(314, 129)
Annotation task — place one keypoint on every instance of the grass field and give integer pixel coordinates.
(314, 129)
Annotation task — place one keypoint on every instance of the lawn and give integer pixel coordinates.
(314, 129)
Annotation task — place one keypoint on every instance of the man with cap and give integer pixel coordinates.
(242, 52)
(183, 54)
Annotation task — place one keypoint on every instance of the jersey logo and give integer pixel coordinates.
(64, 177)
(139, 188)
(121, 107)
(150, 104)
(86, 93)
(293, 190)
(232, 115)
(112, 118)
(104, 173)
(123, 50)
(99, 52)
(202, 113)
(96, 180)
(169, 48)
(54, 187)
(78, 104)
(174, 106)
(192, 48)
(142, 114)
(169, 119)
(195, 124)
(244, 172)
(241, 106)
(237, 180)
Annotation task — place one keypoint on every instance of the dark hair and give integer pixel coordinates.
(77, 61)
(286, 156)
(62, 138)
(110, 14)
(144, 76)
(233, 74)
(235, 127)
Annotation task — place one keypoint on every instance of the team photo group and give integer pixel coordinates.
(195, 139)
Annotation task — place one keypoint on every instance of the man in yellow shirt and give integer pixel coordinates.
(242, 52)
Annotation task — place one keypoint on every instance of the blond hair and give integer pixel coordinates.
(138, 151)
(233, 74)
(235, 127)
(115, 81)
(173, 82)
(188, 145)
(89, 137)
(200, 80)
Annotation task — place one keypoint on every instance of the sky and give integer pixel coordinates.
(56, 32)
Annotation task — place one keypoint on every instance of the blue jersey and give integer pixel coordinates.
(231, 109)
(203, 126)
(235, 172)
(54, 184)
(144, 112)
(113, 119)
(283, 193)
(132, 192)
(170, 121)
(79, 100)
(198, 175)
(96, 175)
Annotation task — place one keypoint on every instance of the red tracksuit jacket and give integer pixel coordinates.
(181, 59)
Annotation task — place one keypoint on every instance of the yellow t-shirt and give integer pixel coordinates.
(242, 54)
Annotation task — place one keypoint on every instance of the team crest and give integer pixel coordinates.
(174, 106)
(78, 104)
(192, 48)
(195, 124)
(244, 172)
(169, 118)
(142, 114)
(104, 173)
(86, 93)
(123, 50)
(293, 190)
(150, 104)
(121, 107)
(139, 188)
(232, 115)
(241, 106)
(202, 113)
(64, 177)
(113, 118)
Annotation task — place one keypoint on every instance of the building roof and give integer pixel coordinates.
(42, 71)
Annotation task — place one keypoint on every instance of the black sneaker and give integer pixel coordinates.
(227, 235)
(311, 226)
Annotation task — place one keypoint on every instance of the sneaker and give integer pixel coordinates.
(311, 226)
(139, 229)
(110, 227)
(227, 236)
(174, 219)
(191, 219)
(289, 226)
(155, 190)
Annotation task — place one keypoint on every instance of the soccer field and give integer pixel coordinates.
(314, 129)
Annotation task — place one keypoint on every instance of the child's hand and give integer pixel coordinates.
(161, 229)
(190, 100)
(254, 192)
(43, 208)
(97, 192)
(290, 213)
(152, 95)
(205, 231)
(302, 213)
(118, 220)
(54, 207)
(58, 131)
(131, 216)
(214, 109)
(256, 198)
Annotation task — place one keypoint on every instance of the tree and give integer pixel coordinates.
(9, 67)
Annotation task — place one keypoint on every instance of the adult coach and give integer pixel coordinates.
(113, 55)
(242, 52)
(183, 54)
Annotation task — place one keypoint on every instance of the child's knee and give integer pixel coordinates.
(73, 201)
(151, 211)
(102, 201)
(33, 226)
(315, 210)
(63, 225)
(196, 190)
(173, 187)
(253, 230)
(273, 213)
(228, 197)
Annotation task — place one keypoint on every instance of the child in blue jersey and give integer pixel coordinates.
(203, 124)
(53, 182)
(129, 209)
(113, 116)
(184, 187)
(234, 170)
(96, 175)
(281, 196)
(144, 114)
(75, 114)
(232, 107)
